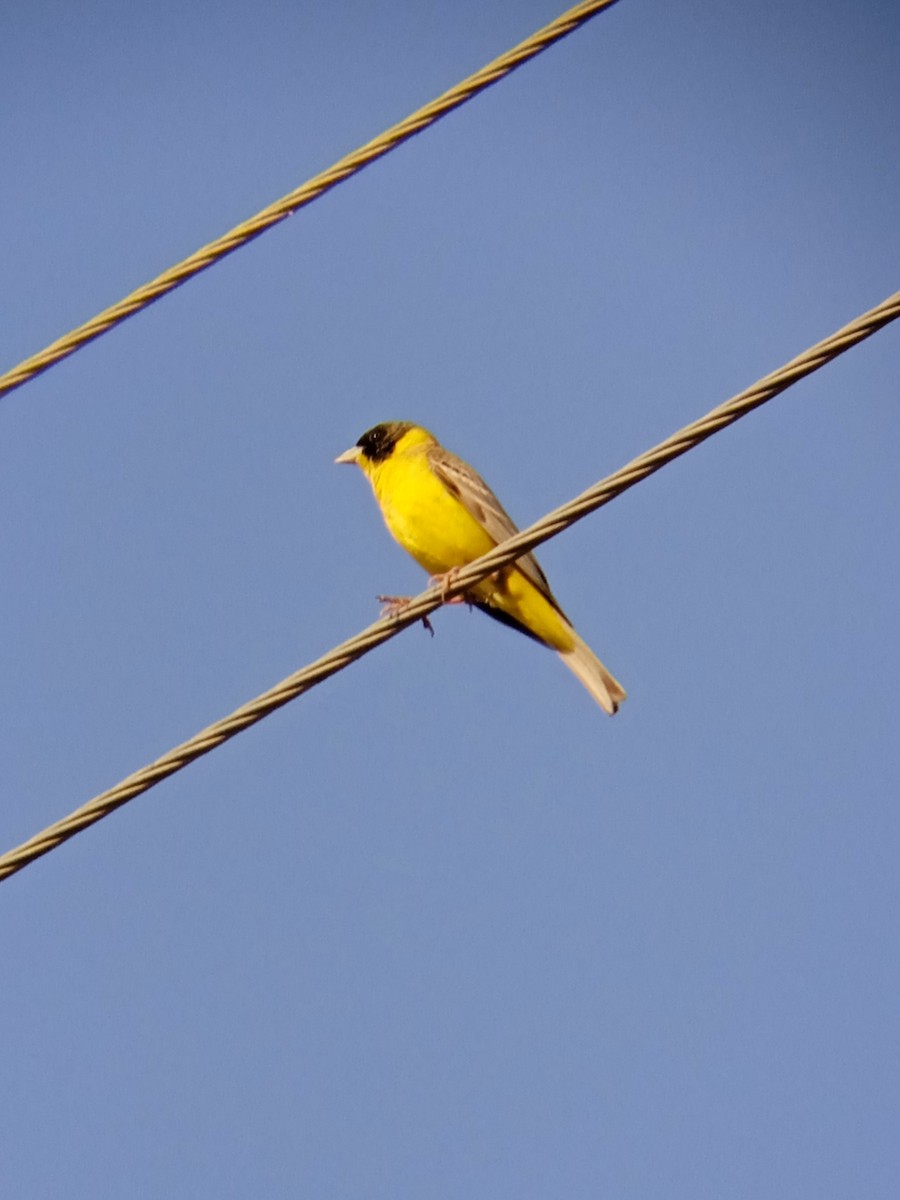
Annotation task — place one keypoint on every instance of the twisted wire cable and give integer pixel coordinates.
(496, 70)
(554, 522)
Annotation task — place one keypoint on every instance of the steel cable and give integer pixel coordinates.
(548, 526)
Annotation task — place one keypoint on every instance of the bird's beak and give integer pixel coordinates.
(349, 456)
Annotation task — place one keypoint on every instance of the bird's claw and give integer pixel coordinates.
(445, 582)
(395, 606)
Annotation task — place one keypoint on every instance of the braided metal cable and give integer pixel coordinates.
(554, 522)
(564, 24)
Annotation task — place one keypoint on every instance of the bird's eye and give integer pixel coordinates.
(374, 442)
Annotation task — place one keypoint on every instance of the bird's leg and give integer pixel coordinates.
(445, 582)
(395, 606)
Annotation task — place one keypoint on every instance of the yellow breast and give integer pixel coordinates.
(423, 516)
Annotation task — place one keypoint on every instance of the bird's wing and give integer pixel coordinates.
(480, 502)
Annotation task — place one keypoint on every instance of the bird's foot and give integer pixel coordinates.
(445, 582)
(395, 606)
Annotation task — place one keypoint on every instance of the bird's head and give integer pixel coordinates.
(378, 444)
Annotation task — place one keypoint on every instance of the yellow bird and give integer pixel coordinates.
(445, 515)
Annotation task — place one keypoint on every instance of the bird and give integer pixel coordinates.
(442, 513)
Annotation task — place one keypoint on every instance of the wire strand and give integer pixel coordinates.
(212, 253)
(548, 526)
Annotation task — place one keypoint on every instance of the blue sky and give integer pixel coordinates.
(440, 928)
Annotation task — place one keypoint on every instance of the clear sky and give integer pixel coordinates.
(440, 928)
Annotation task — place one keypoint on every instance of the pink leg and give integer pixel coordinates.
(445, 582)
(394, 606)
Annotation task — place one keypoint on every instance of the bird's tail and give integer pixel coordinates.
(587, 667)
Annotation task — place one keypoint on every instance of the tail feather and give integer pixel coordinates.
(587, 667)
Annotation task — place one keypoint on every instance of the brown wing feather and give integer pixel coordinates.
(481, 503)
